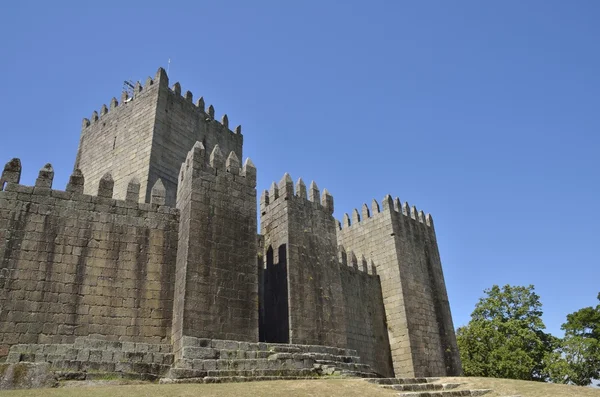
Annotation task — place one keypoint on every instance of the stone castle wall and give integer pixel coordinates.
(403, 247)
(73, 265)
(307, 228)
(154, 241)
(366, 327)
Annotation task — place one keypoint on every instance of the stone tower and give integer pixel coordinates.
(402, 243)
(216, 283)
(148, 136)
(301, 230)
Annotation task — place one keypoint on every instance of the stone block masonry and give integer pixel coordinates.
(73, 265)
(178, 125)
(216, 279)
(153, 245)
(306, 227)
(366, 327)
(148, 136)
(402, 243)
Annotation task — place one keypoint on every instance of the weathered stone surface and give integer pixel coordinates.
(11, 173)
(74, 265)
(76, 182)
(154, 241)
(218, 208)
(404, 251)
(148, 137)
(301, 262)
(26, 376)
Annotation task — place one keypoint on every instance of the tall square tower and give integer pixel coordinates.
(147, 137)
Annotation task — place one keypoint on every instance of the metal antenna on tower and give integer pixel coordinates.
(168, 66)
(129, 88)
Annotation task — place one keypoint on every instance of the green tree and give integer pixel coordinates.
(505, 337)
(577, 360)
(584, 322)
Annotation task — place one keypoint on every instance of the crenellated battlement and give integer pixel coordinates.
(148, 135)
(208, 115)
(284, 190)
(11, 173)
(74, 190)
(106, 111)
(351, 261)
(161, 79)
(388, 204)
(218, 165)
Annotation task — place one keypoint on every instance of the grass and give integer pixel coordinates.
(325, 387)
(509, 387)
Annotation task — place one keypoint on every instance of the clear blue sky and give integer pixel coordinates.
(484, 113)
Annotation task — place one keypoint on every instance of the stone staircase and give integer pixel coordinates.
(209, 361)
(90, 358)
(426, 387)
(201, 361)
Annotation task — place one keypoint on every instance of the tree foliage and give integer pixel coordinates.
(505, 337)
(584, 322)
(577, 360)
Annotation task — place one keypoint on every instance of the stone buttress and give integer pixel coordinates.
(216, 282)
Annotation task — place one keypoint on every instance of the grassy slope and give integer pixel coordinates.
(329, 387)
(509, 387)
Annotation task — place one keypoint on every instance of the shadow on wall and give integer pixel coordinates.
(274, 324)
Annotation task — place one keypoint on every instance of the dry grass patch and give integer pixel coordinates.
(296, 388)
(291, 388)
(509, 387)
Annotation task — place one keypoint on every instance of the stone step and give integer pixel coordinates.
(92, 344)
(262, 346)
(230, 379)
(180, 373)
(446, 393)
(101, 344)
(359, 374)
(198, 352)
(193, 352)
(87, 355)
(401, 381)
(285, 349)
(121, 367)
(93, 355)
(348, 366)
(322, 369)
(332, 357)
(423, 386)
(108, 375)
(311, 349)
(243, 364)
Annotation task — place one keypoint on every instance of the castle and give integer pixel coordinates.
(149, 262)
